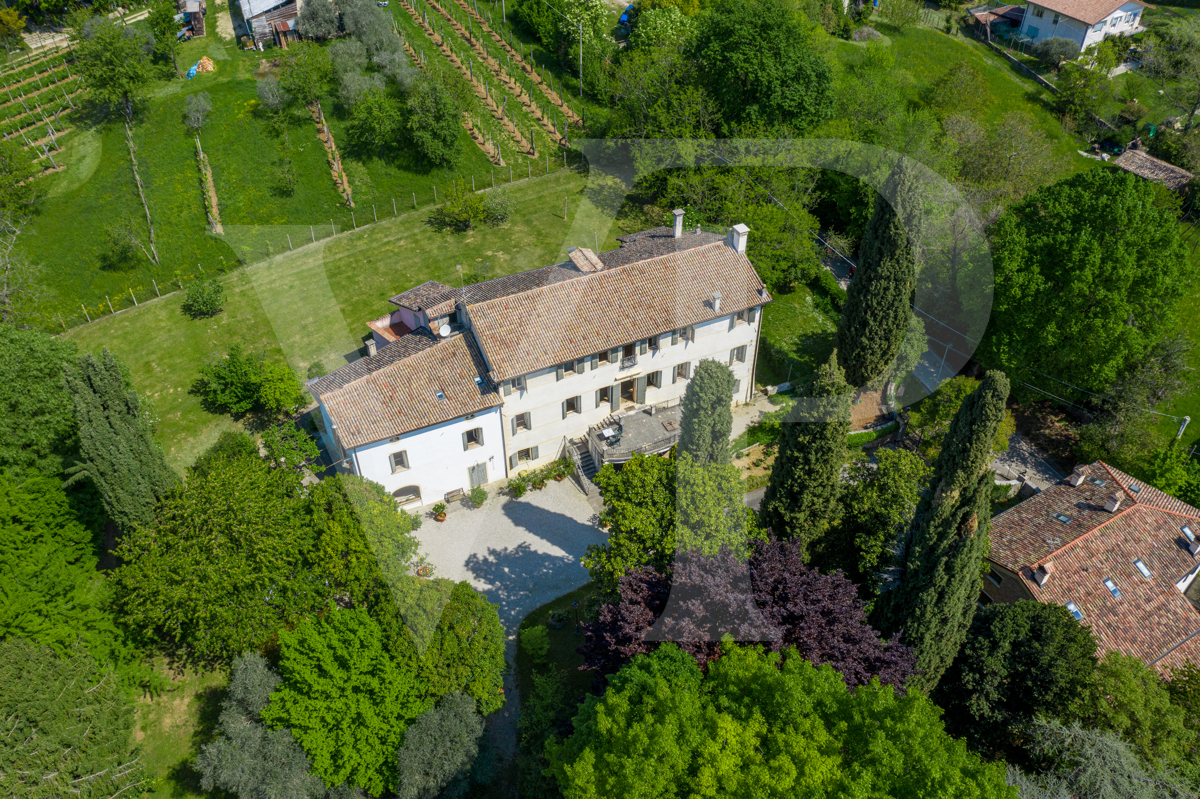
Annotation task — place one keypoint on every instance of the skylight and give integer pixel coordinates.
(1096, 481)
(478, 380)
(1187, 531)
(1071, 606)
(441, 394)
(1112, 589)
(1141, 567)
(1062, 518)
(1135, 488)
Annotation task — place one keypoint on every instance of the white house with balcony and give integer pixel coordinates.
(588, 359)
(1084, 22)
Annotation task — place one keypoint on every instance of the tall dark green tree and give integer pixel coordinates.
(37, 419)
(876, 314)
(802, 498)
(117, 449)
(937, 581)
(707, 416)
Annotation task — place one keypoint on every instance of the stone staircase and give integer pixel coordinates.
(585, 465)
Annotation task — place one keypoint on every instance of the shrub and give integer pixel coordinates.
(1052, 52)
(518, 486)
(828, 284)
(439, 508)
(478, 496)
(535, 642)
(240, 382)
(204, 298)
(497, 207)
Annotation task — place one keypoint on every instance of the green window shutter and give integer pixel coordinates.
(674, 337)
(465, 447)
(533, 453)
(675, 375)
(614, 355)
(514, 425)
(595, 361)
(507, 387)
(558, 374)
(512, 461)
(597, 398)
(640, 390)
(753, 315)
(614, 398)
(480, 436)
(687, 371)
(528, 420)
(732, 321)
(642, 347)
(564, 409)
(731, 354)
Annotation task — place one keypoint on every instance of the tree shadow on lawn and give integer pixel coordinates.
(521, 578)
(184, 774)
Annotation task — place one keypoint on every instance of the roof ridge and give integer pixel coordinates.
(1117, 475)
(1116, 515)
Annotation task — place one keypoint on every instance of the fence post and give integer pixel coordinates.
(86, 315)
(414, 199)
(332, 229)
(289, 238)
(435, 194)
(312, 233)
(472, 183)
(131, 294)
(352, 220)
(156, 291)
(394, 211)
(110, 308)
(510, 173)
(60, 319)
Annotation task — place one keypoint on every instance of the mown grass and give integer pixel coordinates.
(171, 728)
(311, 305)
(796, 339)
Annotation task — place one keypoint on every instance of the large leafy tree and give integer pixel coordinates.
(223, 564)
(374, 121)
(875, 317)
(433, 121)
(344, 698)
(878, 503)
(305, 71)
(117, 450)
(778, 601)
(163, 25)
(761, 65)
(1174, 63)
(68, 725)
(247, 758)
(1088, 274)
(37, 416)
(639, 512)
(466, 651)
(756, 726)
(50, 591)
(802, 498)
(317, 20)
(937, 580)
(440, 751)
(707, 418)
(1019, 660)
(114, 61)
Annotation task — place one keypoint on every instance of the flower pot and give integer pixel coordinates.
(540, 484)
(423, 571)
(559, 477)
(441, 517)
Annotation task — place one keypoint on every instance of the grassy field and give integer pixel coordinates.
(171, 728)
(796, 338)
(312, 304)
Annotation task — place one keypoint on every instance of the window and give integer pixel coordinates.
(1096, 481)
(1055, 19)
(654, 379)
(1099, 26)
(1039, 12)
(1071, 606)
(570, 406)
(737, 355)
(739, 318)
(1141, 567)
(408, 495)
(522, 421)
(1187, 531)
(518, 383)
(604, 396)
(604, 357)
(737, 387)
(1061, 518)
(569, 368)
(683, 371)
(653, 342)
(1033, 32)
(399, 460)
(393, 439)
(1112, 589)
(524, 455)
(995, 577)
(441, 395)
(473, 438)
(1135, 489)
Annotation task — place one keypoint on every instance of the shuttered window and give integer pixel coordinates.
(674, 337)
(559, 373)
(642, 347)
(753, 315)
(399, 461)
(473, 438)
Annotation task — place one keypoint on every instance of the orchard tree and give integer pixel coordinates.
(223, 564)
(1174, 63)
(801, 501)
(1020, 660)
(248, 759)
(164, 27)
(707, 418)
(117, 451)
(761, 725)
(345, 698)
(936, 584)
(37, 414)
(114, 61)
(434, 121)
(317, 20)
(762, 64)
(305, 71)
(440, 750)
(1089, 272)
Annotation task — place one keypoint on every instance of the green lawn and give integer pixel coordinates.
(312, 305)
(1188, 403)
(796, 339)
(171, 728)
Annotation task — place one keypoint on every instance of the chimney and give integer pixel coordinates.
(585, 260)
(736, 238)
(1043, 572)
(1076, 477)
(716, 301)
(1113, 504)
(678, 222)
(371, 346)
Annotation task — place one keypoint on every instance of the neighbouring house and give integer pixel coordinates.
(586, 359)
(191, 16)
(1084, 22)
(1139, 162)
(1119, 554)
(1001, 19)
(271, 20)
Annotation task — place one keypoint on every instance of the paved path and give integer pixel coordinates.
(1022, 458)
(521, 554)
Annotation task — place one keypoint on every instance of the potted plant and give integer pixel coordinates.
(539, 481)
(517, 487)
(560, 469)
(478, 496)
(439, 511)
(424, 571)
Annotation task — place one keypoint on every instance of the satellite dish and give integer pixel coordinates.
(444, 331)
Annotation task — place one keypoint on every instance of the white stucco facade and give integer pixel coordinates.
(547, 426)
(1041, 23)
(438, 458)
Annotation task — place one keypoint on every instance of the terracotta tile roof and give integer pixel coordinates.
(389, 330)
(1089, 11)
(423, 296)
(1152, 619)
(401, 396)
(1011, 13)
(535, 329)
(1146, 166)
(397, 350)
(652, 243)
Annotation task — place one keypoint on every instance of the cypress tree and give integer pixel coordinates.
(876, 315)
(117, 449)
(802, 498)
(707, 416)
(937, 581)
